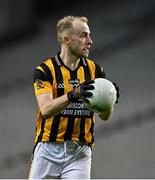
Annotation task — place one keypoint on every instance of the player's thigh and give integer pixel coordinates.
(41, 167)
(80, 168)
(38, 168)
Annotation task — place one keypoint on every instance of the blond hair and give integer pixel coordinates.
(65, 25)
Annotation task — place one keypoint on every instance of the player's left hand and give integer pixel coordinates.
(117, 90)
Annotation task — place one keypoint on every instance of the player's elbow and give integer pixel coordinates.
(47, 111)
(47, 114)
(44, 113)
(105, 115)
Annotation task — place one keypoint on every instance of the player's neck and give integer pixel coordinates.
(70, 60)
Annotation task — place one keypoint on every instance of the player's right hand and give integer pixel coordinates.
(81, 91)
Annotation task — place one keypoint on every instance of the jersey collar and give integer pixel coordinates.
(60, 62)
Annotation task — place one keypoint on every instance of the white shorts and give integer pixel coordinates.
(67, 160)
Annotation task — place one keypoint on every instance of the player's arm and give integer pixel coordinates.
(99, 73)
(106, 114)
(44, 94)
(49, 106)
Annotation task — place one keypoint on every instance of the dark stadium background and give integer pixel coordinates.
(123, 34)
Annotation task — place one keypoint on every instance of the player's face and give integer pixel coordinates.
(80, 40)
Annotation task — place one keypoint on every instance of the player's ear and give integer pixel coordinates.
(66, 39)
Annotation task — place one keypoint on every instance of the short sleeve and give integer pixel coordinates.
(99, 71)
(41, 83)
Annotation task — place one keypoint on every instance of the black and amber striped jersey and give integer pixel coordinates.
(76, 122)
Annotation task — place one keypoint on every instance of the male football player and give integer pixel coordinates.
(64, 126)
